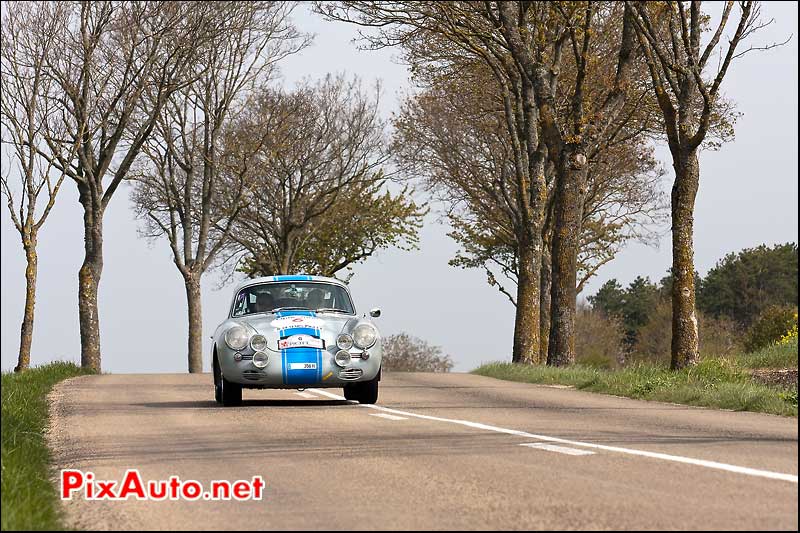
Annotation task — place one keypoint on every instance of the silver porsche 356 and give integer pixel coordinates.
(296, 332)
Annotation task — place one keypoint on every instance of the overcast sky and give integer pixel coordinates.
(748, 196)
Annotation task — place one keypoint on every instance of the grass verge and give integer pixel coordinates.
(29, 500)
(712, 383)
(775, 356)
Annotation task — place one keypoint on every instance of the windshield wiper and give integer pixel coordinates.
(331, 310)
(290, 309)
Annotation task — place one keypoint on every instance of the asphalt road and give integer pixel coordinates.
(447, 451)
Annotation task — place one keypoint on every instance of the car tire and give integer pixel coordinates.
(217, 382)
(231, 393)
(369, 392)
(365, 392)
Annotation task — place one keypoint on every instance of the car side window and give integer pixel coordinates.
(242, 304)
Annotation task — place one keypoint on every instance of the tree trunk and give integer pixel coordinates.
(526, 320)
(544, 300)
(89, 281)
(194, 299)
(570, 193)
(685, 338)
(26, 331)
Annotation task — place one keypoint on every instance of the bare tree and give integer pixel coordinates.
(319, 202)
(570, 136)
(454, 138)
(524, 45)
(103, 60)
(449, 36)
(191, 184)
(25, 108)
(670, 34)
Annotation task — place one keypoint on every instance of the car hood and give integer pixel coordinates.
(323, 325)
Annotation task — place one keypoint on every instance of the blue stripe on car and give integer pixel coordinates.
(304, 376)
(299, 355)
(296, 312)
(291, 278)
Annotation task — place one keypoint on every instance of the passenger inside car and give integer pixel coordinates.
(264, 303)
(314, 299)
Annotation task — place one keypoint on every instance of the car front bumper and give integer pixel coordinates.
(282, 370)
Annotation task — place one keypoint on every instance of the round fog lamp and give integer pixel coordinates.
(260, 359)
(344, 341)
(258, 343)
(237, 356)
(342, 358)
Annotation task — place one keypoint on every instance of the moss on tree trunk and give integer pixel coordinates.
(526, 320)
(89, 281)
(26, 330)
(568, 211)
(685, 350)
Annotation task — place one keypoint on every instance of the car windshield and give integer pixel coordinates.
(278, 296)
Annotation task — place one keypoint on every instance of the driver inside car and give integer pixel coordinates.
(314, 299)
(264, 303)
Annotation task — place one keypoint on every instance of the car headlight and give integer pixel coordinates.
(344, 341)
(260, 359)
(258, 343)
(236, 338)
(364, 335)
(342, 358)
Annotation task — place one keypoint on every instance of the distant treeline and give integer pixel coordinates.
(732, 297)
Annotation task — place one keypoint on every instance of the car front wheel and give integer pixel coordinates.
(231, 393)
(217, 382)
(365, 392)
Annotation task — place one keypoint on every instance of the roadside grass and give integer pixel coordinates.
(716, 383)
(29, 499)
(775, 356)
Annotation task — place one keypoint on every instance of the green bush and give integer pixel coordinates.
(780, 355)
(789, 397)
(770, 326)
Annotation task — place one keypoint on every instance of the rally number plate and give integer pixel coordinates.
(302, 366)
(300, 341)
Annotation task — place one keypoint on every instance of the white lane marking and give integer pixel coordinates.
(306, 395)
(388, 417)
(792, 478)
(557, 449)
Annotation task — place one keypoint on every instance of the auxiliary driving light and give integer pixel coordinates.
(258, 343)
(342, 358)
(344, 341)
(260, 359)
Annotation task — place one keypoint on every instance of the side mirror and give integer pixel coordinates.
(375, 312)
